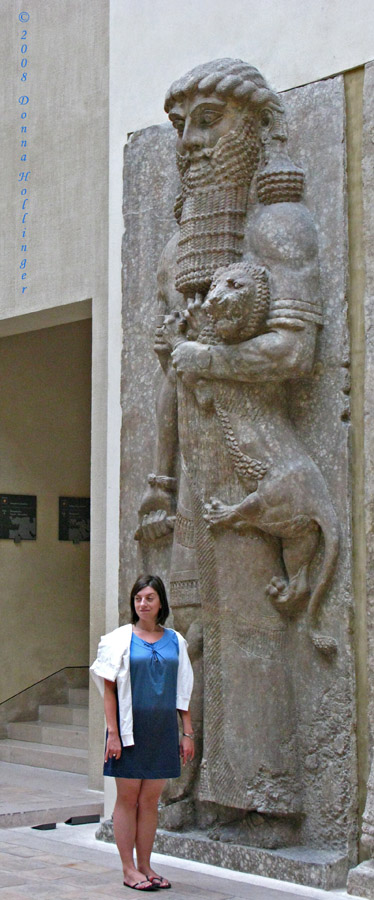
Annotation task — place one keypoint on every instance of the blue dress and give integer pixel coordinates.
(153, 673)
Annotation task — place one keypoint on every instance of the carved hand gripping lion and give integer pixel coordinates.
(287, 495)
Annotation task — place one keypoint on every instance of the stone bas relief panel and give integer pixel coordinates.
(361, 878)
(241, 417)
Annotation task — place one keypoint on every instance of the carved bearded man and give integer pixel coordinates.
(240, 200)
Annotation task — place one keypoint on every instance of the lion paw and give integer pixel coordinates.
(217, 514)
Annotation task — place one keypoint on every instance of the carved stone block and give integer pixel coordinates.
(361, 880)
(317, 868)
(249, 503)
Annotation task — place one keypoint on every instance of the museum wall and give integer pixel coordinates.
(55, 78)
(60, 111)
(45, 450)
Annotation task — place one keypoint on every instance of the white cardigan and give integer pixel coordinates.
(113, 663)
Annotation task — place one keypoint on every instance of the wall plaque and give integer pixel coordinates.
(18, 517)
(74, 519)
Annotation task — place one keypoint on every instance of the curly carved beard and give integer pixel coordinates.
(212, 207)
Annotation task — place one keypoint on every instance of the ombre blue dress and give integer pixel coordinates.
(153, 673)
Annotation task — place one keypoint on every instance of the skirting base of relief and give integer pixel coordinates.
(301, 865)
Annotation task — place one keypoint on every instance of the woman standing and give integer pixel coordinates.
(146, 676)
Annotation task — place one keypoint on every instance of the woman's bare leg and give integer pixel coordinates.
(150, 792)
(125, 826)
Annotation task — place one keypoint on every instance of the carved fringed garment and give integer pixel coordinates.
(247, 683)
(184, 576)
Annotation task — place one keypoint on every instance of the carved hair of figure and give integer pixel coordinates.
(227, 78)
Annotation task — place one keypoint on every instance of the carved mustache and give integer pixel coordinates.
(205, 153)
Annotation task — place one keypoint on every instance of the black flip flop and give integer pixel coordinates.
(159, 887)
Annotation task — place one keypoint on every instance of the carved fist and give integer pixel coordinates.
(191, 361)
(156, 510)
(161, 345)
(154, 525)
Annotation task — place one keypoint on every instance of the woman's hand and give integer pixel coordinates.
(113, 744)
(113, 747)
(187, 749)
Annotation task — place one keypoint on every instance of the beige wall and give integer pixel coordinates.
(67, 225)
(67, 134)
(45, 401)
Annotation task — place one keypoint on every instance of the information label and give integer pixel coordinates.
(74, 519)
(18, 517)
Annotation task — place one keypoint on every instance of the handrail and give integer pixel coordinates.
(28, 688)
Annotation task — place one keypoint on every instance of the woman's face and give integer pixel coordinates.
(147, 604)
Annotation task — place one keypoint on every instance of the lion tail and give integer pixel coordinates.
(330, 530)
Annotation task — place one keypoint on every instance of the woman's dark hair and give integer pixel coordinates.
(157, 584)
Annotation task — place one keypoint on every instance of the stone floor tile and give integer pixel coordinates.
(50, 891)
(86, 880)
(13, 894)
(15, 850)
(83, 866)
(45, 873)
(197, 885)
(8, 858)
(116, 893)
(66, 865)
(56, 859)
(63, 891)
(9, 879)
(194, 884)
(184, 894)
(21, 866)
(31, 790)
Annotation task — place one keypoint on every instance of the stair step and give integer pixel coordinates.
(65, 715)
(78, 696)
(75, 736)
(45, 756)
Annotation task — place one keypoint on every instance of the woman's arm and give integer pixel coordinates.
(187, 746)
(113, 745)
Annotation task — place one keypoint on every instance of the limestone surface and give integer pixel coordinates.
(361, 880)
(236, 482)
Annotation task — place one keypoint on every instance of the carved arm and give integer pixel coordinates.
(281, 354)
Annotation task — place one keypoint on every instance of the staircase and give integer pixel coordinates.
(57, 740)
